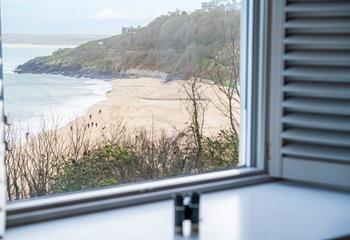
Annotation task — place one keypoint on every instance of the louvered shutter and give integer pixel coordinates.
(310, 91)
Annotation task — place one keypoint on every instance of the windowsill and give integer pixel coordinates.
(129, 188)
(278, 210)
(72, 204)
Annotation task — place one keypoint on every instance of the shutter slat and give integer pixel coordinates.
(324, 90)
(319, 74)
(318, 137)
(317, 121)
(318, 58)
(334, 174)
(325, 9)
(318, 152)
(328, 106)
(315, 25)
(321, 41)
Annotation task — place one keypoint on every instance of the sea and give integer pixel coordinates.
(31, 99)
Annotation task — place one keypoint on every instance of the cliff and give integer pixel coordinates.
(171, 46)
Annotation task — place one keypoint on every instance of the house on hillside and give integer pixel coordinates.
(227, 6)
(207, 6)
(130, 29)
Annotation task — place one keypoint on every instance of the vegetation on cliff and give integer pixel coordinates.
(174, 44)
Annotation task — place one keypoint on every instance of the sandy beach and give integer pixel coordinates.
(151, 104)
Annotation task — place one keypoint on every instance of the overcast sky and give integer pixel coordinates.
(84, 16)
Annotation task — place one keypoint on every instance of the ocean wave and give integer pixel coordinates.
(60, 114)
(29, 98)
(8, 70)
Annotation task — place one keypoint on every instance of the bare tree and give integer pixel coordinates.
(14, 164)
(197, 106)
(223, 70)
(42, 156)
(79, 140)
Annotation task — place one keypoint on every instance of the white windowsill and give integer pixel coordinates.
(268, 211)
(133, 187)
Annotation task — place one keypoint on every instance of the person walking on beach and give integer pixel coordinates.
(99, 111)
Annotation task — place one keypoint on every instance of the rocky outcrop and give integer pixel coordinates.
(36, 66)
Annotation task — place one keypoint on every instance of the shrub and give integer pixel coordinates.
(104, 166)
(221, 151)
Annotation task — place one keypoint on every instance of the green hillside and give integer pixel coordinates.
(174, 44)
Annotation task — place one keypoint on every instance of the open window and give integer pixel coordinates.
(218, 95)
(173, 100)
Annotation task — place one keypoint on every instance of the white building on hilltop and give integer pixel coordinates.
(130, 29)
(225, 4)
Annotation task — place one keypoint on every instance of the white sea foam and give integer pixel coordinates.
(30, 98)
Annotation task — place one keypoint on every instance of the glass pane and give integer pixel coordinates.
(114, 92)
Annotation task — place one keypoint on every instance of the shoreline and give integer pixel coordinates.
(62, 113)
(34, 67)
(149, 103)
(29, 45)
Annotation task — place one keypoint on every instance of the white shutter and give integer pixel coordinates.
(310, 91)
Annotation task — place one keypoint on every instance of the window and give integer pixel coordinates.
(129, 95)
(115, 109)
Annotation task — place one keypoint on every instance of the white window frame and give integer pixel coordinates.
(2, 148)
(253, 151)
(253, 64)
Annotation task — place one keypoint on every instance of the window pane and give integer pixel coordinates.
(115, 92)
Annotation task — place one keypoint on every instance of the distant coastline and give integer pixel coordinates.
(29, 45)
(48, 39)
